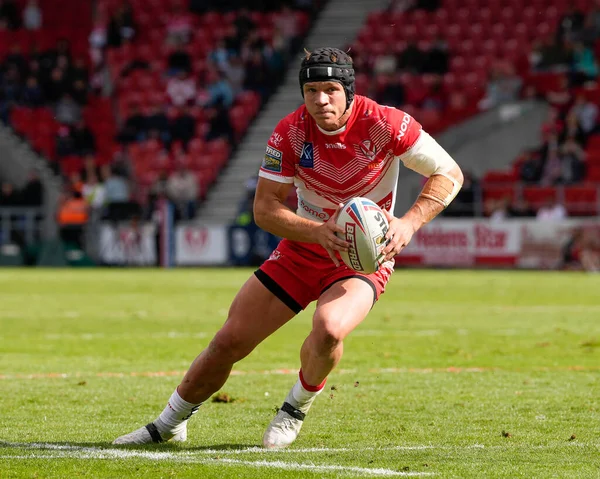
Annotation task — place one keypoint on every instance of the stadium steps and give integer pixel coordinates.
(337, 25)
(18, 159)
(490, 140)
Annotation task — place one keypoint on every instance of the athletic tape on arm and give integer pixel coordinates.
(428, 158)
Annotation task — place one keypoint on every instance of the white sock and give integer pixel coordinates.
(174, 415)
(301, 398)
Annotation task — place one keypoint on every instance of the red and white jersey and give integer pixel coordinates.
(330, 167)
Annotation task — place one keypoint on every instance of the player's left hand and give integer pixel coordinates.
(399, 234)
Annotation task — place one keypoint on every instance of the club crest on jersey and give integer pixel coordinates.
(307, 155)
(368, 149)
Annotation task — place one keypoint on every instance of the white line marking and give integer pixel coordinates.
(276, 372)
(55, 451)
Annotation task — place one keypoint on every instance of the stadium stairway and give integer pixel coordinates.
(490, 140)
(337, 25)
(18, 159)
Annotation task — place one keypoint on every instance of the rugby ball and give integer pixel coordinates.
(365, 227)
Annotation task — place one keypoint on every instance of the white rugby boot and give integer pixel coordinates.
(284, 427)
(149, 434)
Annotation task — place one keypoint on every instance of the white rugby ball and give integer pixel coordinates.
(365, 227)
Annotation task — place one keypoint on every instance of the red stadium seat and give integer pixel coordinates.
(582, 199)
(537, 196)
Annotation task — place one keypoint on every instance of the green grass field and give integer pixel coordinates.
(466, 374)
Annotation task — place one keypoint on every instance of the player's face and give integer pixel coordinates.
(326, 102)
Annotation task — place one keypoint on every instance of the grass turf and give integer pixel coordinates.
(453, 374)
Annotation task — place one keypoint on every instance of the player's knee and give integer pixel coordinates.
(327, 336)
(229, 347)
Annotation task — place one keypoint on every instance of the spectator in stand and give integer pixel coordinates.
(521, 209)
(244, 24)
(134, 128)
(79, 92)
(98, 38)
(393, 92)
(84, 141)
(17, 59)
(411, 59)
(551, 173)
(179, 60)
(93, 192)
(235, 74)
(182, 190)
(219, 56)
(32, 95)
(498, 210)
(8, 195)
(504, 86)
(586, 113)
(64, 142)
(585, 68)
(550, 54)
(179, 24)
(572, 158)
(32, 15)
(385, 64)
(531, 168)
(183, 127)
(121, 26)
(437, 58)
(562, 97)
(67, 110)
(570, 24)
(217, 90)
(436, 98)
(9, 15)
(220, 124)
(258, 77)
(573, 130)
(551, 210)
(157, 124)
(181, 89)
(594, 16)
(116, 187)
(158, 190)
(32, 194)
(286, 22)
(55, 86)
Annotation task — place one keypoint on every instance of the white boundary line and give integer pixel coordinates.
(276, 372)
(55, 451)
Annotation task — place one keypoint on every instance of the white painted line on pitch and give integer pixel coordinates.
(277, 372)
(77, 452)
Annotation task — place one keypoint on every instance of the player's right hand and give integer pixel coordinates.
(326, 236)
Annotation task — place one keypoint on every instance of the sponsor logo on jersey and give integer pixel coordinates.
(352, 254)
(368, 149)
(335, 146)
(321, 213)
(306, 157)
(403, 126)
(272, 160)
(276, 139)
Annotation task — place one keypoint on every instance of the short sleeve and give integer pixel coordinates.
(406, 131)
(279, 163)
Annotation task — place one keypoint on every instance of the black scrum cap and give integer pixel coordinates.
(328, 64)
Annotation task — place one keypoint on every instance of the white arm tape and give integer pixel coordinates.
(428, 158)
